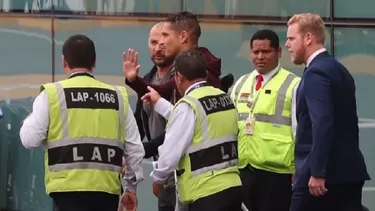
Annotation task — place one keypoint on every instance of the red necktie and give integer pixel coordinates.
(259, 82)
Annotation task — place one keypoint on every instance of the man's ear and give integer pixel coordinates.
(94, 65)
(184, 37)
(65, 65)
(180, 78)
(279, 52)
(308, 38)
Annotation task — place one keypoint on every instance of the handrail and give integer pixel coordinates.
(218, 19)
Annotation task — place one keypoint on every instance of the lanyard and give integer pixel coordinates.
(196, 87)
(81, 74)
(257, 94)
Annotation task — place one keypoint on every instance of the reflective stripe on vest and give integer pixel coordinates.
(239, 87)
(277, 118)
(75, 161)
(210, 163)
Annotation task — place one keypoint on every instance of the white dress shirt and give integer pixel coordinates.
(312, 56)
(178, 136)
(34, 131)
(266, 78)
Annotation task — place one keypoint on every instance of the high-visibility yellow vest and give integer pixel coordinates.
(271, 147)
(85, 143)
(210, 164)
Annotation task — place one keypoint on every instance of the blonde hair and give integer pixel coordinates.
(309, 22)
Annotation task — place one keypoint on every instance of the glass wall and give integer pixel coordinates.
(361, 9)
(32, 33)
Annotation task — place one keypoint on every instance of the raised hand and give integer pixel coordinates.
(130, 65)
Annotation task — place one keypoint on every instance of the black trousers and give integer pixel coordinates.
(226, 200)
(167, 199)
(85, 201)
(338, 197)
(265, 191)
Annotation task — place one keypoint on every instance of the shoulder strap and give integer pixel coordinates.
(239, 87)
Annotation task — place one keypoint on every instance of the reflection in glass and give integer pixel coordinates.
(92, 7)
(109, 7)
(355, 48)
(25, 5)
(361, 9)
(26, 64)
(283, 8)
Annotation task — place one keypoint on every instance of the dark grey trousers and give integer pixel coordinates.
(167, 199)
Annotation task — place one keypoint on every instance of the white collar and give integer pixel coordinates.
(269, 74)
(195, 84)
(316, 53)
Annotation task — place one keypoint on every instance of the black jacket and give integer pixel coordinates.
(150, 146)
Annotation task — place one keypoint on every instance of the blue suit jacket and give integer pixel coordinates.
(327, 133)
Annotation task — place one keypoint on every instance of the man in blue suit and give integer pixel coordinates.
(330, 168)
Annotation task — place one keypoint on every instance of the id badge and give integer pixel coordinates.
(249, 127)
(250, 103)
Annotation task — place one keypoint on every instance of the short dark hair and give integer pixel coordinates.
(79, 52)
(266, 34)
(191, 64)
(186, 21)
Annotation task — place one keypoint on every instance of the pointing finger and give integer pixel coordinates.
(150, 89)
(145, 97)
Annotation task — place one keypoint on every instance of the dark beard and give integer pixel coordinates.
(168, 60)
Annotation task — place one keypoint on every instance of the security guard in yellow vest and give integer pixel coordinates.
(200, 141)
(265, 101)
(86, 127)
